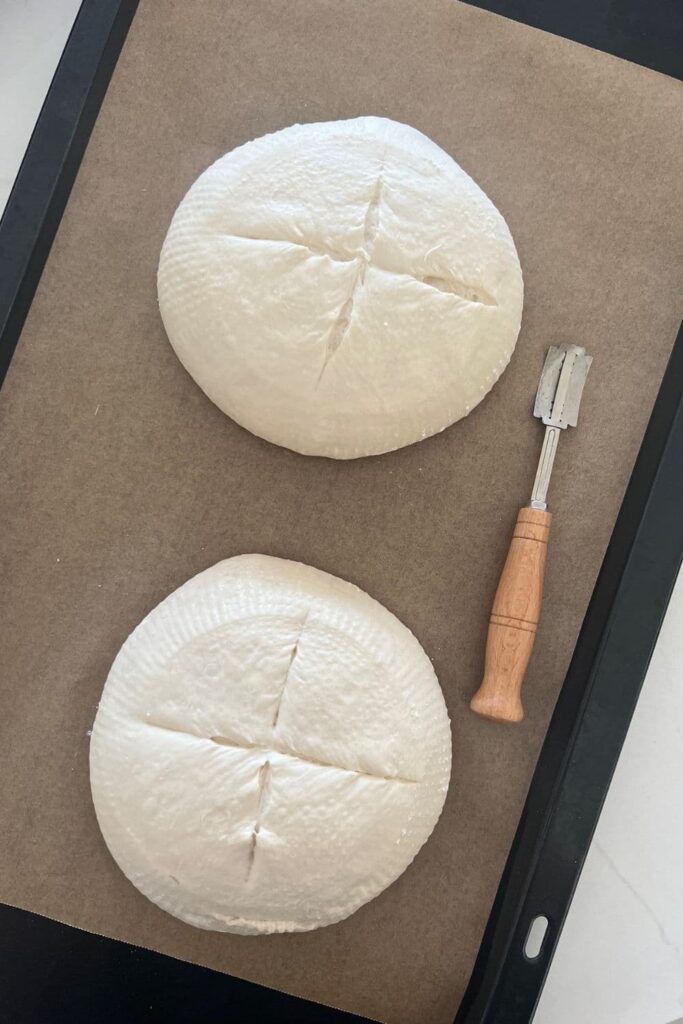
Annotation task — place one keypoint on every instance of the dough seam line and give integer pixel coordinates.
(227, 741)
(443, 284)
(263, 779)
(292, 659)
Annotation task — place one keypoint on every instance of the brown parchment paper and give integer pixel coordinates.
(120, 479)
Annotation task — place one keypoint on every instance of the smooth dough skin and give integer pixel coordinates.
(341, 289)
(271, 749)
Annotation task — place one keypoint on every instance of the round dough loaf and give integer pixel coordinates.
(341, 289)
(271, 749)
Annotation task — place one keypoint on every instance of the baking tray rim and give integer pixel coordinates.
(619, 631)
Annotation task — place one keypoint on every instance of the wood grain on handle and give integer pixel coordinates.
(513, 622)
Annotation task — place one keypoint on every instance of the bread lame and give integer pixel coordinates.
(517, 604)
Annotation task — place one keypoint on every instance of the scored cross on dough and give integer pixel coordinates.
(363, 260)
(266, 767)
(270, 751)
(274, 746)
(341, 289)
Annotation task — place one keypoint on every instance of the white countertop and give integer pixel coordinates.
(620, 957)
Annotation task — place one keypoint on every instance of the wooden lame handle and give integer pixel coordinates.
(513, 622)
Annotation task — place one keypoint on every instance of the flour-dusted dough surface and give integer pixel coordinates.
(341, 289)
(271, 749)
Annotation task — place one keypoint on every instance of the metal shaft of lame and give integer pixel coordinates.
(545, 467)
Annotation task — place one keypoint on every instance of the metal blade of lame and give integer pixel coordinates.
(557, 404)
(561, 385)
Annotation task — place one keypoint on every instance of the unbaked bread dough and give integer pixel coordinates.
(341, 289)
(271, 749)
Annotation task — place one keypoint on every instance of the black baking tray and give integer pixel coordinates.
(53, 973)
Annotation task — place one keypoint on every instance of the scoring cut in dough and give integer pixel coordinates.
(271, 749)
(341, 289)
